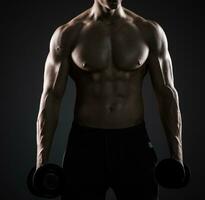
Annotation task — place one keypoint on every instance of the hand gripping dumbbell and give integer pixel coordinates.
(47, 181)
(171, 174)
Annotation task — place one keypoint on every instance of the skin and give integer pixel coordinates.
(107, 50)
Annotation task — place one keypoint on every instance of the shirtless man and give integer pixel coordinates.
(107, 51)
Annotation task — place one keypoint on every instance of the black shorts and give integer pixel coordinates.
(96, 159)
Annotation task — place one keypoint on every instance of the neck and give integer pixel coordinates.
(99, 11)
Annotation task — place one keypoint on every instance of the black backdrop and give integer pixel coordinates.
(26, 28)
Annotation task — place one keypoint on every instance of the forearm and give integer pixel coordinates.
(172, 122)
(45, 126)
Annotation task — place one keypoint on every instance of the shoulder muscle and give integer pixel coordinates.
(63, 38)
(156, 38)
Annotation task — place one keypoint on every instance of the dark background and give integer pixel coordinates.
(26, 29)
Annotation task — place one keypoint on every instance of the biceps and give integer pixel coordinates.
(161, 73)
(55, 76)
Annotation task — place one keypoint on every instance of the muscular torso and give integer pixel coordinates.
(108, 67)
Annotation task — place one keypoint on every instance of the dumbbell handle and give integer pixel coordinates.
(50, 181)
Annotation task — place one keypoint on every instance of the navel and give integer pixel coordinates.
(111, 108)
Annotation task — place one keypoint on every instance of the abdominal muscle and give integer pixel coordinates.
(109, 104)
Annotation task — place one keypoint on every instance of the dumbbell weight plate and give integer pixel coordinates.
(50, 180)
(170, 173)
(29, 182)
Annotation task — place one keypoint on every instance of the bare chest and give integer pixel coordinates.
(110, 48)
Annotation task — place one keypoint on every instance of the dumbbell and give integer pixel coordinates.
(171, 174)
(47, 181)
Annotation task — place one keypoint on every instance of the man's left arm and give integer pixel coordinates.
(161, 73)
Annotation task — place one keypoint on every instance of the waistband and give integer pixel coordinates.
(83, 128)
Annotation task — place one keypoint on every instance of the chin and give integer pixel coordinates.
(113, 6)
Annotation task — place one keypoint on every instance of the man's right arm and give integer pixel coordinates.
(55, 79)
